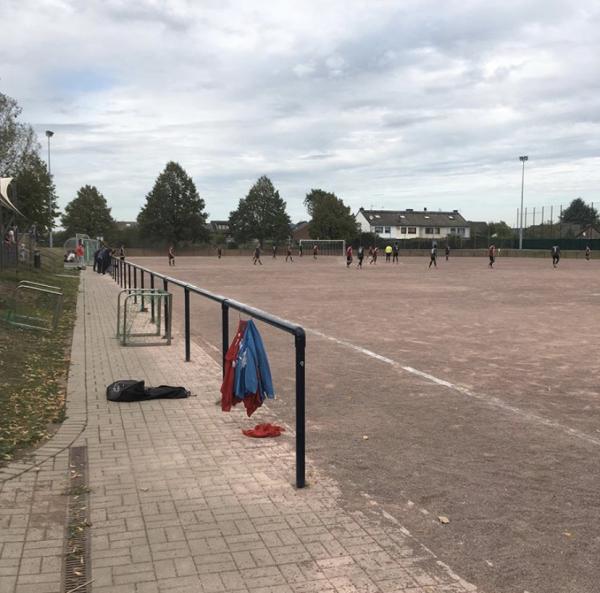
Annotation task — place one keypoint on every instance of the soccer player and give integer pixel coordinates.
(274, 251)
(555, 252)
(315, 251)
(256, 257)
(588, 253)
(288, 254)
(447, 250)
(374, 254)
(492, 255)
(361, 256)
(122, 253)
(300, 250)
(433, 257)
(171, 255)
(219, 252)
(395, 252)
(349, 256)
(388, 254)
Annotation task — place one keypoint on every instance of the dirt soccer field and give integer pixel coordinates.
(478, 390)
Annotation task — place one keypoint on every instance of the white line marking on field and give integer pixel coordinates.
(489, 400)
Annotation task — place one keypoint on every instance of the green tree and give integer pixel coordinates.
(17, 140)
(499, 230)
(331, 218)
(174, 211)
(260, 215)
(35, 193)
(579, 212)
(88, 213)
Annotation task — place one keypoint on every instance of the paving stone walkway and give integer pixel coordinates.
(179, 500)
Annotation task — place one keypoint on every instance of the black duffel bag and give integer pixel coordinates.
(129, 390)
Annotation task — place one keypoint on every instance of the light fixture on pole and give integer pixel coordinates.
(522, 159)
(49, 134)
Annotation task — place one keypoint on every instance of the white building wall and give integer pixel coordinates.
(395, 232)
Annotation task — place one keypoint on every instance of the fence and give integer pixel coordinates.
(18, 253)
(126, 274)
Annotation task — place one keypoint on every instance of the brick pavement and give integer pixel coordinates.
(180, 501)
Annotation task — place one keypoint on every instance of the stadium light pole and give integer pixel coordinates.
(49, 134)
(522, 159)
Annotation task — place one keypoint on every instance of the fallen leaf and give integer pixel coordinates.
(443, 520)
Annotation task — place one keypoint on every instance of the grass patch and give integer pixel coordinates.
(34, 364)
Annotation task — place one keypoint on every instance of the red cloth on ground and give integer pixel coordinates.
(260, 431)
(227, 399)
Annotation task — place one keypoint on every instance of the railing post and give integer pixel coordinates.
(166, 289)
(186, 295)
(152, 299)
(300, 340)
(128, 274)
(135, 284)
(225, 329)
(142, 287)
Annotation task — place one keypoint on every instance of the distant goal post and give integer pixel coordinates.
(324, 246)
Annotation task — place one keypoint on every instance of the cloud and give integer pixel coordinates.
(396, 105)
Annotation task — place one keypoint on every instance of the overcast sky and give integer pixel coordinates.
(391, 104)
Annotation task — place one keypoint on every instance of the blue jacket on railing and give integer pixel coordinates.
(252, 372)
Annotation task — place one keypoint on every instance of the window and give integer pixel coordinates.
(388, 230)
(429, 231)
(379, 229)
(461, 231)
(403, 230)
(453, 231)
(437, 231)
(412, 230)
(450, 217)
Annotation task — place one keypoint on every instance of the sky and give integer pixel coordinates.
(388, 104)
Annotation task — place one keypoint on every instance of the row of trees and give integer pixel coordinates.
(174, 212)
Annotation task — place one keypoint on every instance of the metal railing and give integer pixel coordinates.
(30, 315)
(126, 274)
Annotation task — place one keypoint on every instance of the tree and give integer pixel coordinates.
(35, 195)
(174, 211)
(499, 230)
(579, 212)
(88, 213)
(260, 215)
(16, 139)
(331, 218)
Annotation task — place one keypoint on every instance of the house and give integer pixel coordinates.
(412, 224)
(219, 226)
(123, 225)
(300, 231)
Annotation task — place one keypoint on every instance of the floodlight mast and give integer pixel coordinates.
(522, 159)
(49, 134)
